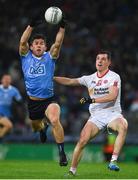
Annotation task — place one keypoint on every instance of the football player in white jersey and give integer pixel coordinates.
(104, 91)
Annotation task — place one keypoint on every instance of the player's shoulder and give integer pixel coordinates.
(48, 54)
(113, 74)
(90, 75)
(86, 78)
(10, 88)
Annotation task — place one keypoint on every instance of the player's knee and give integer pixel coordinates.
(123, 126)
(54, 120)
(52, 110)
(82, 142)
(9, 126)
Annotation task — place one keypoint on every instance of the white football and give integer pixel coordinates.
(53, 15)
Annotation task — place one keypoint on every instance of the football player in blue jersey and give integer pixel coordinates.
(38, 68)
(7, 95)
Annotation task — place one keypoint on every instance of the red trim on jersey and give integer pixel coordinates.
(103, 74)
(115, 83)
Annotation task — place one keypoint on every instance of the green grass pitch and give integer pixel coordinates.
(20, 169)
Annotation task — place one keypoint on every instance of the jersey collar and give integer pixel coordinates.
(9, 87)
(38, 57)
(103, 74)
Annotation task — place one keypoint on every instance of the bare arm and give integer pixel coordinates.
(24, 46)
(113, 92)
(67, 81)
(55, 48)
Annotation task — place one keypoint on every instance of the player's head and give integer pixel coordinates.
(103, 60)
(6, 80)
(38, 45)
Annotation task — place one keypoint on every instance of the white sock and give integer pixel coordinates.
(114, 157)
(73, 170)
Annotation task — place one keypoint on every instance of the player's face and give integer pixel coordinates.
(6, 80)
(38, 47)
(102, 62)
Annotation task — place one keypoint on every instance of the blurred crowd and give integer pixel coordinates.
(92, 25)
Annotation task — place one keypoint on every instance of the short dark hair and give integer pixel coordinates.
(37, 36)
(109, 56)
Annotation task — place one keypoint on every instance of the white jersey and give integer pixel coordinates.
(98, 87)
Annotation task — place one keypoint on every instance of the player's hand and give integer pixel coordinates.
(63, 22)
(35, 21)
(87, 100)
(84, 100)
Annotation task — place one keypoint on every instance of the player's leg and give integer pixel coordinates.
(89, 131)
(119, 125)
(37, 125)
(41, 127)
(36, 109)
(53, 114)
(6, 126)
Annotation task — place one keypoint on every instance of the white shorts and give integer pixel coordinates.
(102, 119)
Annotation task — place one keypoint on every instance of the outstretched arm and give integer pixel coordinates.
(24, 46)
(55, 48)
(66, 81)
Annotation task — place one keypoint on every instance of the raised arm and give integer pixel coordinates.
(55, 48)
(67, 81)
(24, 46)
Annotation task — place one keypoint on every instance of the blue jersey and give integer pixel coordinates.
(7, 95)
(38, 74)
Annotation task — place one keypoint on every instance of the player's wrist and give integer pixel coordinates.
(87, 100)
(63, 22)
(93, 100)
(34, 24)
(35, 21)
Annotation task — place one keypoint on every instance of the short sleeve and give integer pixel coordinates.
(26, 55)
(53, 58)
(116, 81)
(82, 80)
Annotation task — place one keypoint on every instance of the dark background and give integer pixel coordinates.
(92, 25)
